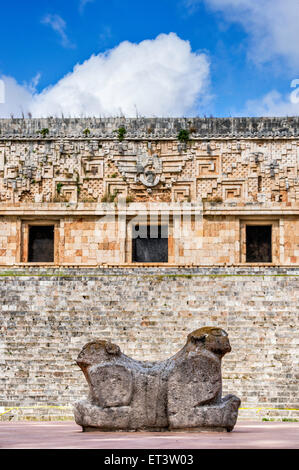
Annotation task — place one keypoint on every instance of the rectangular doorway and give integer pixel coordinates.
(259, 243)
(41, 244)
(150, 244)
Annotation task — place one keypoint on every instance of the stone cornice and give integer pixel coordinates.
(110, 209)
(150, 128)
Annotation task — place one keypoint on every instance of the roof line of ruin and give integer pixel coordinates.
(149, 128)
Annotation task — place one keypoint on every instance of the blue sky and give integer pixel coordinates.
(241, 60)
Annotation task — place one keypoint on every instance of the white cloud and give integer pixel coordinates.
(273, 104)
(17, 98)
(159, 77)
(272, 26)
(59, 26)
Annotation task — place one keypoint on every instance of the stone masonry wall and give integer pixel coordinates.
(48, 314)
(215, 239)
(72, 173)
(90, 161)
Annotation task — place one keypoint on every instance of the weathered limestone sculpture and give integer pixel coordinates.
(180, 393)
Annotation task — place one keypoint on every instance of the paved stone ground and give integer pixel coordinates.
(67, 435)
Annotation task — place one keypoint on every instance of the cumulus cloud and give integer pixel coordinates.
(159, 77)
(17, 98)
(273, 104)
(272, 26)
(59, 26)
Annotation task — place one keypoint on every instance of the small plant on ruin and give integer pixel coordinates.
(113, 196)
(107, 197)
(58, 188)
(78, 183)
(183, 135)
(104, 198)
(121, 133)
(86, 132)
(60, 199)
(129, 199)
(44, 132)
(89, 199)
(215, 199)
(114, 175)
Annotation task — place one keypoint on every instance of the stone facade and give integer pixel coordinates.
(48, 315)
(227, 193)
(92, 183)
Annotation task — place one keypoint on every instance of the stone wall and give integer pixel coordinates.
(48, 314)
(92, 170)
(74, 173)
(212, 239)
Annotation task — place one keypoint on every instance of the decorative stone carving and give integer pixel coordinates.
(149, 169)
(144, 167)
(11, 172)
(93, 169)
(207, 167)
(139, 166)
(116, 188)
(233, 189)
(180, 393)
(182, 191)
(69, 192)
(240, 169)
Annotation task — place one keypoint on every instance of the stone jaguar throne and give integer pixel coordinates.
(180, 393)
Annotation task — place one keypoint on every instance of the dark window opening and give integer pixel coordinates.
(150, 245)
(258, 243)
(41, 244)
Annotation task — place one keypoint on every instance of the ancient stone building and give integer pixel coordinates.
(138, 231)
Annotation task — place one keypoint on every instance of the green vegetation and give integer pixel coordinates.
(78, 183)
(58, 187)
(107, 197)
(121, 133)
(86, 132)
(44, 132)
(290, 420)
(183, 135)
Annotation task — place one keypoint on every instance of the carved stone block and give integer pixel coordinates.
(180, 393)
(208, 167)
